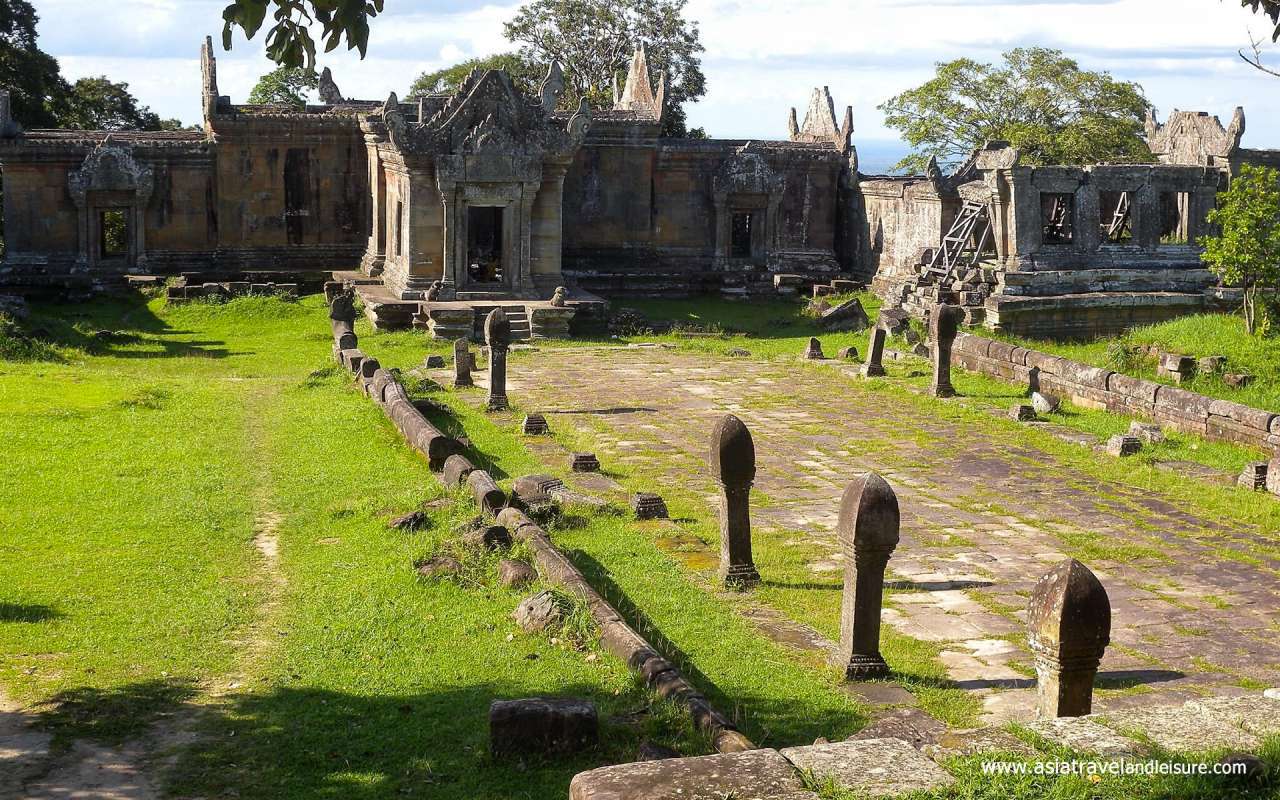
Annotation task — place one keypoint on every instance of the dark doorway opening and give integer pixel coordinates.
(484, 244)
(113, 233)
(740, 237)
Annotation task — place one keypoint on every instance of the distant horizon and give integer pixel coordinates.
(759, 62)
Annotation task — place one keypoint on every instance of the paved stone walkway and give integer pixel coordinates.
(982, 518)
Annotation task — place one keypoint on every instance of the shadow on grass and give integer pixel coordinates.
(23, 612)
(104, 326)
(111, 715)
(316, 743)
(770, 721)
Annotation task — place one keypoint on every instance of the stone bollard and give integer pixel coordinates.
(944, 324)
(733, 463)
(497, 334)
(874, 366)
(1068, 629)
(813, 351)
(342, 309)
(868, 534)
(1273, 473)
(462, 363)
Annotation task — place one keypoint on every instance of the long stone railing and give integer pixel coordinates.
(1101, 388)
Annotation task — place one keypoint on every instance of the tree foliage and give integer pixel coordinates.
(1246, 252)
(37, 90)
(101, 104)
(1039, 100)
(594, 39)
(1270, 8)
(527, 76)
(289, 41)
(285, 86)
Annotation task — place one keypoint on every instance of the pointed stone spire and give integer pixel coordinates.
(637, 92)
(552, 87)
(793, 127)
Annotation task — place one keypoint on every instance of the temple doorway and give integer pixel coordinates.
(485, 244)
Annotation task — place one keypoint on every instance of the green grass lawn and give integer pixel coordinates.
(141, 464)
(1198, 335)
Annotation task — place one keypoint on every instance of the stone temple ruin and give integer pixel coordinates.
(446, 207)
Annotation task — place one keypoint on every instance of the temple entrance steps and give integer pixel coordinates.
(517, 317)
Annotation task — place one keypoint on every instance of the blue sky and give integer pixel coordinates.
(762, 57)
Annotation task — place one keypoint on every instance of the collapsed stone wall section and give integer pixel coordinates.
(1100, 388)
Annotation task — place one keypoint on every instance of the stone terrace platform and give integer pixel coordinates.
(455, 318)
(1194, 600)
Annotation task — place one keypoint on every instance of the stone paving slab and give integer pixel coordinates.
(982, 517)
(871, 767)
(1084, 735)
(1181, 729)
(753, 775)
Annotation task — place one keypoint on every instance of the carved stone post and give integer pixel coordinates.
(944, 324)
(875, 354)
(1068, 629)
(342, 312)
(868, 534)
(497, 334)
(733, 462)
(462, 363)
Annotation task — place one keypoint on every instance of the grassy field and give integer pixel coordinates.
(1199, 335)
(143, 464)
(193, 526)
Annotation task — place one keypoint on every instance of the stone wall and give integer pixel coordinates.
(1100, 388)
(652, 216)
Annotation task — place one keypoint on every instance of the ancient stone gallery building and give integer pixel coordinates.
(448, 205)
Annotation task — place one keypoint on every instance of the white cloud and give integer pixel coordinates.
(761, 57)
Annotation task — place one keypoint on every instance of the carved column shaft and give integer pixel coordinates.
(875, 354)
(737, 568)
(860, 608)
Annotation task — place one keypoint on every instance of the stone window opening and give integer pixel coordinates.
(1174, 217)
(1116, 217)
(485, 244)
(113, 233)
(397, 228)
(1057, 217)
(740, 235)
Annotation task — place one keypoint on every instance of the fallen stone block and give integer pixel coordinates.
(438, 567)
(1254, 476)
(870, 767)
(487, 537)
(911, 725)
(951, 744)
(545, 726)
(538, 613)
(1022, 413)
(849, 353)
(1045, 403)
(535, 425)
(647, 505)
(1237, 380)
(515, 574)
(813, 350)
(1122, 445)
(848, 316)
(652, 751)
(413, 521)
(1146, 431)
(456, 469)
(584, 462)
(750, 775)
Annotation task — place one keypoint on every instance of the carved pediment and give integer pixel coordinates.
(490, 116)
(110, 168)
(1194, 137)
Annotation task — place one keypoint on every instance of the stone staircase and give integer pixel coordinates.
(898, 754)
(517, 317)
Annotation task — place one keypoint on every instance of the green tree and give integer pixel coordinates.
(1039, 100)
(1270, 8)
(101, 104)
(528, 77)
(289, 41)
(1246, 253)
(37, 91)
(285, 86)
(594, 39)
